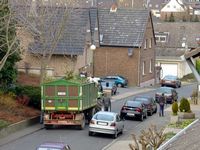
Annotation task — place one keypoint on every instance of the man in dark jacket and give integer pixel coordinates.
(106, 103)
(162, 104)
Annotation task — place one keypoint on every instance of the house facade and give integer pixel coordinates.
(127, 46)
(176, 8)
(129, 50)
(173, 40)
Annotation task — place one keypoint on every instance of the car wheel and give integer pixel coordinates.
(151, 113)
(142, 117)
(155, 111)
(90, 133)
(119, 85)
(115, 135)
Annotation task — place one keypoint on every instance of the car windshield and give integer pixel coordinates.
(121, 77)
(47, 148)
(165, 90)
(145, 100)
(133, 103)
(105, 117)
(170, 78)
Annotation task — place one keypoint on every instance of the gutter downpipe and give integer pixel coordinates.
(139, 67)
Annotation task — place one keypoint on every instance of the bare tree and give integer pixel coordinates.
(8, 42)
(46, 21)
(151, 137)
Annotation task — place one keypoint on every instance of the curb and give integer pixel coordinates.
(18, 126)
(129, 94)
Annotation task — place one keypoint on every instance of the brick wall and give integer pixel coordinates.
(115, 60)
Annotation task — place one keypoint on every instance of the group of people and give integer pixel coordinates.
(162, 101)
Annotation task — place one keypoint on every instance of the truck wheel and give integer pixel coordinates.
(82, 126)
(92, 111)
(48, 126)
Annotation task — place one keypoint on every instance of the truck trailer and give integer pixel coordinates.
(65, 102)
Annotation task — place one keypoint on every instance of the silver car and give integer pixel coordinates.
(107, 123)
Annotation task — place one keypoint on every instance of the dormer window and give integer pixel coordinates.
(162, 37)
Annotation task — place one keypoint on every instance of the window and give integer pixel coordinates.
(150, 42)
(145, 44)
(150, 66)
(143, 67)
(162, 37)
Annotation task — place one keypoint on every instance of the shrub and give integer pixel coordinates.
(29, 95)
(184, 105)
(175, 108)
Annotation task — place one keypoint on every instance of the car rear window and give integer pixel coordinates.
(144, 100)
(164, 90)
(170, 78)
(133, 103)
(105, 117)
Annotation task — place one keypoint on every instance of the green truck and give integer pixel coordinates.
(66, 102)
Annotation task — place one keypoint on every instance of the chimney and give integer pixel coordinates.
(113, 8)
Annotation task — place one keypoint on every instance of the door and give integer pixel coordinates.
(169, 69)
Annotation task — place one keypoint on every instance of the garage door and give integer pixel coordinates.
(169, 69)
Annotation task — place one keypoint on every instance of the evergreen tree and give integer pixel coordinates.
(184, 19)
(9, 46)
(196, 19)
(166, 19)
(171, 18)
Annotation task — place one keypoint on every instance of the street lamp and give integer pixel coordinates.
(92, 47)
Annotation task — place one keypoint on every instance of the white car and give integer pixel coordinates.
(107, 123)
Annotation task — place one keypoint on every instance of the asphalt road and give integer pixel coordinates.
(79, 139)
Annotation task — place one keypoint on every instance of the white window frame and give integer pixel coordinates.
(150, 66)
(143, 67)
(150, 43)
(145, 44)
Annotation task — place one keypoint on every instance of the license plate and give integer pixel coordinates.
(130, 114)
(167, 81)
(102, 123)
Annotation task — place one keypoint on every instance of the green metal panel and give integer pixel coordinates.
(56, 95)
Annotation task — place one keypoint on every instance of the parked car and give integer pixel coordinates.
(119, 80)
(149, 102)
(168, 93)
(107, 123)
(171, 80)
(108, 85)
(53, 146)
(133, 108)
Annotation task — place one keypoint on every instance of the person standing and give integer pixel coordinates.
(162, 104)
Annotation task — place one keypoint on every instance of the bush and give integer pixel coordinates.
(175, 108)
(184, 105)
(29, 95)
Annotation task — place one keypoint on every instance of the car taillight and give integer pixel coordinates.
(113, 124)
(92, 122)
(138, 110)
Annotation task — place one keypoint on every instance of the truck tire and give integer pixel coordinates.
(82, 126)
(47, 127)
(91, 113)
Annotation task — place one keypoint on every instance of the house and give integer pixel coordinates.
(173, 40)
(176, 8)
(126, 46)
(61, 38)
(125, 37)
